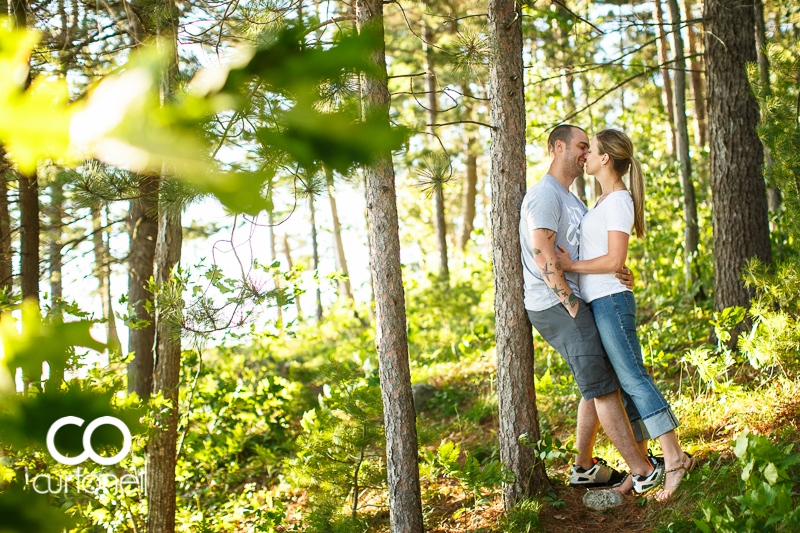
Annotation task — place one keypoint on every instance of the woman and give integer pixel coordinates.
(603, 249)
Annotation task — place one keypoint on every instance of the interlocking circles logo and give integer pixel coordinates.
(95, 481)
(88, 451)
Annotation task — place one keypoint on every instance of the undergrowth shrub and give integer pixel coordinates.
(765, 501)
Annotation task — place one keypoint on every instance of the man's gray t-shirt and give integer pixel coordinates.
(548, 205)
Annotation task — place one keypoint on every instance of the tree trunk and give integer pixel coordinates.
(162, 444)
(741, 229)
(288, 253)
(56, 213)
(405, 503)
(663, 48)
(341, 262)
(315, 251)
(439, 222)
(102, 271)
(697, 80)
(469, 193)
(691, 235)
(515, 372)
(6, 272)
(29, 237)
(273, 256)
(579, 185)
(773, 193)
(143, 232)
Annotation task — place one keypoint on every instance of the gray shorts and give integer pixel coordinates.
(578, 342)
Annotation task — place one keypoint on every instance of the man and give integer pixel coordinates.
(551, 217)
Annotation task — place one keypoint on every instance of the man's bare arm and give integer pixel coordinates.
(544, 241)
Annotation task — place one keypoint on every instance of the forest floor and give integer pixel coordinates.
(463, 388)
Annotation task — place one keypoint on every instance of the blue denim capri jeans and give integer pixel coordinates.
(615, 316)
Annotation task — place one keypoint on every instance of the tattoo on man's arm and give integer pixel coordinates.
(558, 265)
(547, 272)
(551, 234)
(557, 290)
(536, 251)
(573, 300)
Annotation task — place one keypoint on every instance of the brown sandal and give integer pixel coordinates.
(687, 457)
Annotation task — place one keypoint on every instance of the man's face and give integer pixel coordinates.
(575, 153)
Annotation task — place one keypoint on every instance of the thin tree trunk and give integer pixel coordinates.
(102, 270)
(143, 232)
(439, 221)
(341, 262)
(111, 321)
(691, 234)
(54, 246)
(405, 503)
(470, 192)
(739, 210)
(663, 54)
(697, 80)
(315, 251)
(773, 193)
(29, 237)
(568, 88)
(515, 373)
(6, 273)
(162, 444)
(288, 253)
(272, 258)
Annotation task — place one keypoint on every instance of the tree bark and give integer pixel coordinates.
(288, 253)
(663, 48)
(6, 272)
(29, 236)
(515, 371)
(162, 444)
(439, 221)
(273, 257)
(741, 228)
(470, 192)
(315, 251)
(405, 503)
(691, 235)
(697, 80)
(102, 271)
(773, 193)
(341, 262)
(143, 232)
(54, 244)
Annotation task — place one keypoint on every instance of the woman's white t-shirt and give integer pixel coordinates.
(615, 213)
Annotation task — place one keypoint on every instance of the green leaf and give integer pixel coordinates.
(771, 473)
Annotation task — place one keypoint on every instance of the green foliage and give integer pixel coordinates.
(474, 477)
(765, 501)
(523, 518)
(548, 448)
(23, 511)
(780, 132)
(775, 336)
(341, 451)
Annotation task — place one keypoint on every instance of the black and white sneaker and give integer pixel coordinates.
(599, 475)
(644, 483)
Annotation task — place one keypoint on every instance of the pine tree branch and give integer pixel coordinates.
(563, 6)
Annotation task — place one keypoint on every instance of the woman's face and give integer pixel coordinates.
(594, 161)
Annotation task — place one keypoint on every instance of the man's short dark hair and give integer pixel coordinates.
(561, 133)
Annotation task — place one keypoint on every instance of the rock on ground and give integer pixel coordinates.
(600, 500)
(422, 395)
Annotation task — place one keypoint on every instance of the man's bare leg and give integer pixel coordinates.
(588, 426)
(618, 428)
(627, 485)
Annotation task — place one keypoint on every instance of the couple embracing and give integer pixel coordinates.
(577, 304)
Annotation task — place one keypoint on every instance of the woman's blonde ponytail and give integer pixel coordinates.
(619, 148)
(637, 192)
